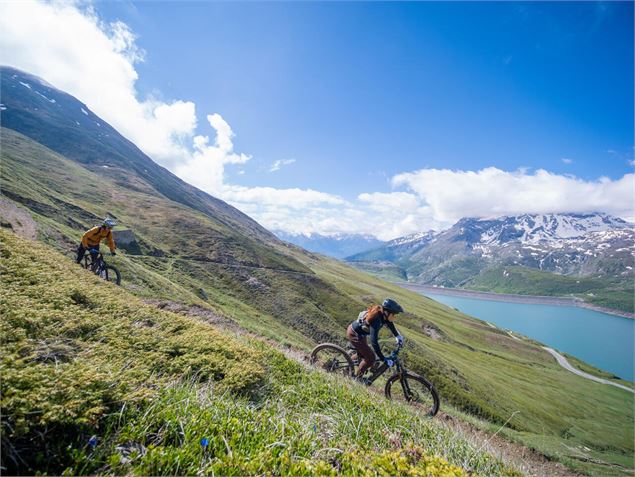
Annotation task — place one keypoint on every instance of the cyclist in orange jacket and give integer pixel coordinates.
(93, 237)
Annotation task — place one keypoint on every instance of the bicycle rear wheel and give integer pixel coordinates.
(413, 389)
(332, 359)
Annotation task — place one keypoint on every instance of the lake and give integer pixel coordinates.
(600, 339)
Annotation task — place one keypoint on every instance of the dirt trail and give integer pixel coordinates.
(528, 461)
(18, 219)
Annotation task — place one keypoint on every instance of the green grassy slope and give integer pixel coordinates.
(95, 381)
(484, 371)
(187, 256)
(298, 298)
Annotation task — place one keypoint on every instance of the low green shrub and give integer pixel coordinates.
(96, 382)
(75, 348)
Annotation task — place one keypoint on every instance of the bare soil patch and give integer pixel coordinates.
(528, 461)
(17, 219)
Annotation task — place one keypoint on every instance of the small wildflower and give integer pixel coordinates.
(204, 442)
(92, 442)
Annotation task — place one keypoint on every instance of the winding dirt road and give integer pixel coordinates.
(562, 361)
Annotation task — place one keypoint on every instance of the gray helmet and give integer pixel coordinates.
(108, 222)
(392, 306)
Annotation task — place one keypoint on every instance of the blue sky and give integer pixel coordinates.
(363, 89)
(353, 100)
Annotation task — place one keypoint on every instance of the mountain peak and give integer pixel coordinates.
(416, 238)
(557, 226)
(563, 243)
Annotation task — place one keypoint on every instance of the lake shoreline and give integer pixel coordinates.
(512, 298)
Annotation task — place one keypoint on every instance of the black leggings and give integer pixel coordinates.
(81, 251)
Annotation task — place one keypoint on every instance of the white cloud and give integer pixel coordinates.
(278, 164)
(491, 192)
(289, 198)
(75, 51)
(566, 160)
(205, 168)
(95, 62)
(632, 163)
(383, 202)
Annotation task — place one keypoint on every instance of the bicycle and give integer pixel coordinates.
(411, 388)
(94, 261)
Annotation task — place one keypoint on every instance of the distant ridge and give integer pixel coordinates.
(336, 246)
(588, 255)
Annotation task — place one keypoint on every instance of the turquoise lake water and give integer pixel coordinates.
(605, 341)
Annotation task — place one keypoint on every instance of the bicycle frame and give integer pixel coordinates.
(383, 367)
(96, 264)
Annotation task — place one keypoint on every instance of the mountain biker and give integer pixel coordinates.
(92, 238)
(369, 322)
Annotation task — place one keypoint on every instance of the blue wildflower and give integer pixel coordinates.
(204, 442)
(92, 442)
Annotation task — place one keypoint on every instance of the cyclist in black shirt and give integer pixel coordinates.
(369, 322)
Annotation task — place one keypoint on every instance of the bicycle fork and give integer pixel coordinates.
(405, 386)
(404, 383)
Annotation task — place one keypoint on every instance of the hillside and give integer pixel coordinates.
(189, 255)
(65, 125)
(95, 381)
(588, 256)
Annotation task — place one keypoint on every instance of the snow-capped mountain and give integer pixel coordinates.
(528, 228)
(413, 240)
(597, 245)
(337, 245)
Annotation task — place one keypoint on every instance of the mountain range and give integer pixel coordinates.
(589, 255)
(336, 246)
(71, 350)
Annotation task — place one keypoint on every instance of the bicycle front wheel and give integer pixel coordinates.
(110, 274)
(332, 359)
(413, 389)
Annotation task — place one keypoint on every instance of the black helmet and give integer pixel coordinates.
(392, 306)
